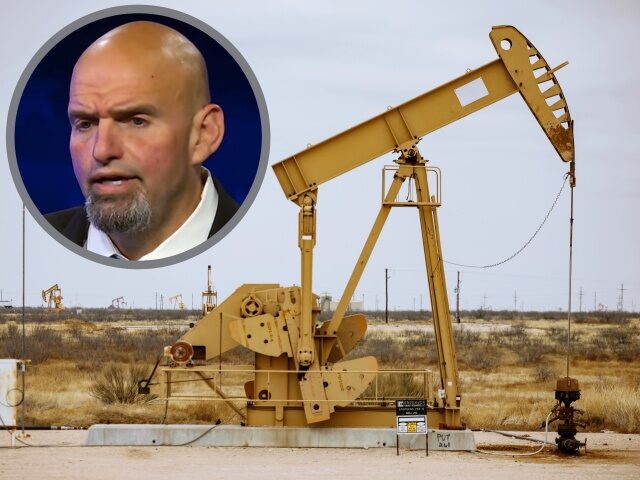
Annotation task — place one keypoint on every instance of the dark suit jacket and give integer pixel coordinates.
(73, 223)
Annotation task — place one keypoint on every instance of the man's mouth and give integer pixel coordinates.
(111, 183)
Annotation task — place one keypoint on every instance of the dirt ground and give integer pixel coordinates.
(60, 455)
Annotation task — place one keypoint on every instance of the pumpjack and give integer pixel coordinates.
(301, 375)
(118, 303)
(177, 301)
(52, 296)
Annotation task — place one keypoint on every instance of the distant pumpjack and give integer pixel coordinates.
(53, 298)
(118, 303)
(177, 301)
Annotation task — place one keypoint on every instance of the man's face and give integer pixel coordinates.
(130, 125)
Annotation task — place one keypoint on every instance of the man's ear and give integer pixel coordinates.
(206, 133)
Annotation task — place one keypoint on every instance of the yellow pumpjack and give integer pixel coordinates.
(300, 374)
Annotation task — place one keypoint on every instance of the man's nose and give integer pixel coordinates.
(106, 146)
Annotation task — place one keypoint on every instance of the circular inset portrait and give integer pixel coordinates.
(138, 136)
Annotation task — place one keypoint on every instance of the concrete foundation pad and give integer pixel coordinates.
(238, 436)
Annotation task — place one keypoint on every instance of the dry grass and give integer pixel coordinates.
(613, 404)
(507, 376)
(60, 394)
(115, 384)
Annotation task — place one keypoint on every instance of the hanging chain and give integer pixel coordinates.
(512, 256)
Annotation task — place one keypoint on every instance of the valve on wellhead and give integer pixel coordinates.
(567, 392)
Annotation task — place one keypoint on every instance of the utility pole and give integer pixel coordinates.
(161, 301)
(484, 301)
(595, 303)
(621, 304)
(156, 300)
(580, 295)
(515, 300)
(420, 302)
(457, 299)
(386, 295)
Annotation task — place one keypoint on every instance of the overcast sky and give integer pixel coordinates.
(325, 66)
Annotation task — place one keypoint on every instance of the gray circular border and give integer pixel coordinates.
(216, 36)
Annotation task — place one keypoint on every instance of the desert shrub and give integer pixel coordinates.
(208, 412)
(388, 351)
(481, 359)
(10, 342)
(614, 337)
(384, 348)
(556, 334)
(41, 343)
(629, 351)
(515, 335)
(544, 373)
(494, 338)
(531, 351)
(477, 314)
(379, 315)
(593, 350)
(466, 338)
(84, 344)
(416, 338)
(122, 345)
(606, 317)
(117, 385)
(395, 385)
(611, 343)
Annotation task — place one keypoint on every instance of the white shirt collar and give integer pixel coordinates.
(190, 234)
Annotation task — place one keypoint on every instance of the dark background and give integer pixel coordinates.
(42, 128)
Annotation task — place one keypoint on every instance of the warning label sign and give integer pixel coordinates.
(408, 424)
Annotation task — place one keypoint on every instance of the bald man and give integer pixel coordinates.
(142, 124)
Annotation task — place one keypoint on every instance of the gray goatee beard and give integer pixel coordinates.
(111, 216)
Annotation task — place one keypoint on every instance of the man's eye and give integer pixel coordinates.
(138, 122)
(83, 125)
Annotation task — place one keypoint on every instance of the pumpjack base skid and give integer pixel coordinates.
(275, 437)
(343, 417)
